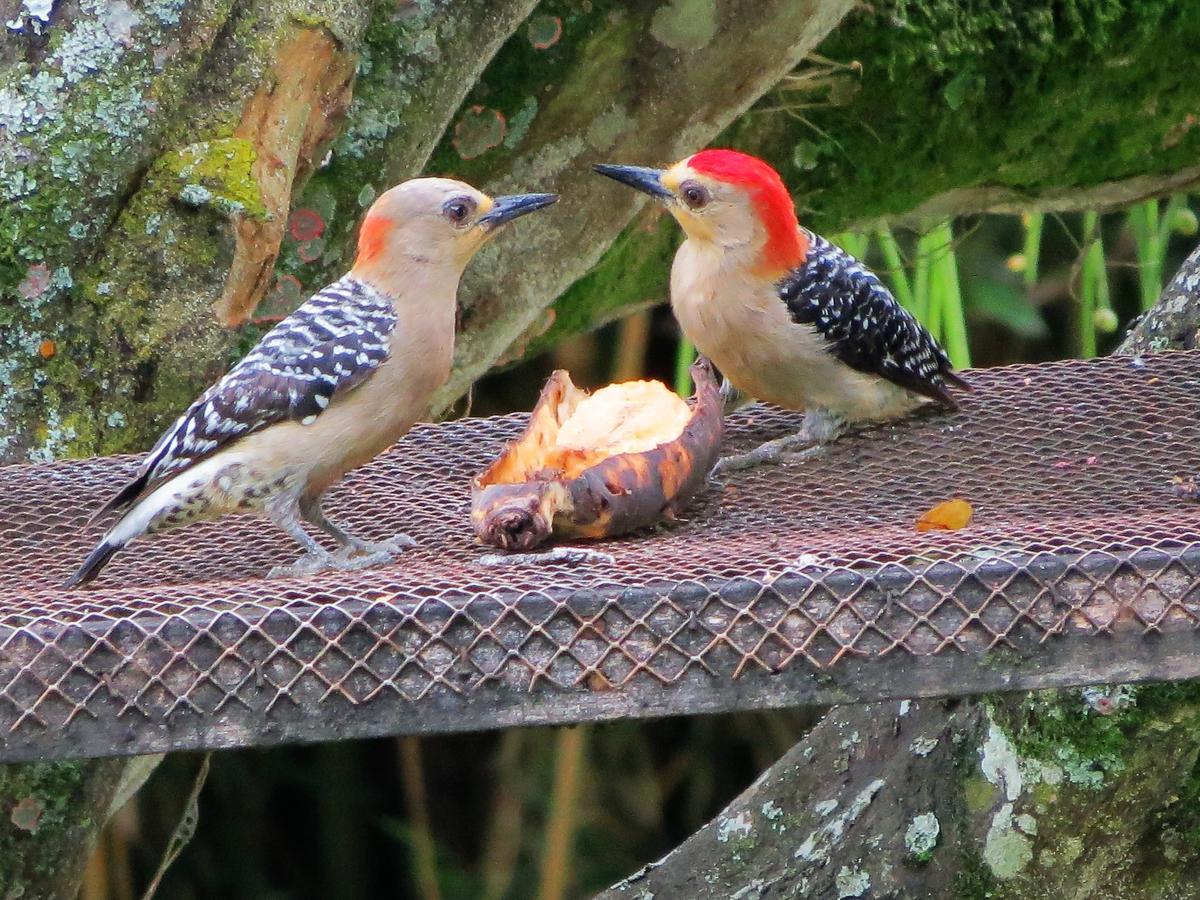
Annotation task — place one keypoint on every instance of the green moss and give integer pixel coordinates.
(101, 118)
(310, 20)
(51, 790)
(980, 794)
(1060, 727)
(224, 169)
(974, 880)
(955, 95)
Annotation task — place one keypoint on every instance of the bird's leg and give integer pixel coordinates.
(354, 550)
(820, 427)
(285, 513)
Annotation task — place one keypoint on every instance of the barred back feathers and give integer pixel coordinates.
(865, 326)
(326, 347)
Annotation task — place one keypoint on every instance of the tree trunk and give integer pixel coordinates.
(1174, 322)
(1091, 793)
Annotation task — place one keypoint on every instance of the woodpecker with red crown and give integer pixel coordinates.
(788, 317)
(327, 389)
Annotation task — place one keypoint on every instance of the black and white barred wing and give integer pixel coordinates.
(864, 325)
(328, 346)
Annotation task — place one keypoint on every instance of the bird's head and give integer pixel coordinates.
(728, 199)
(433, 221)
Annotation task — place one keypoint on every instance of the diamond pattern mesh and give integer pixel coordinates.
(798, 583)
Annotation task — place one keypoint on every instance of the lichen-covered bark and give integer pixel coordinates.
(1174, 322)
(1051, 796)
(49, 814)
(832, 818)
(151, 158)
(1091, 794)
(122, 167)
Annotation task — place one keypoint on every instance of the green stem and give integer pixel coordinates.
(684, 357)
(921, 271)
(1143, 222)
(1033, 246)
(897, 274)
(1090, 277)
(947, 295)
(1162, 236)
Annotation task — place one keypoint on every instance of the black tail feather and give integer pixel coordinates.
(958, 381)
(95, 562)
(122, 498)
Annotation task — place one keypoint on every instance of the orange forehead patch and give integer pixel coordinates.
(372, 237)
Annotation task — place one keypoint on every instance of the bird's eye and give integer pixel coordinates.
(458, 209)
(695, 195)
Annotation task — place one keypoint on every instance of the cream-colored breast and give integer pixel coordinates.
(741, 324)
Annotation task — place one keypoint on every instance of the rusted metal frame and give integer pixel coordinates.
(266, 714)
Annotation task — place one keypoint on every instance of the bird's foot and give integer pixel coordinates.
(776, 451)
(570, 555)
(308, 564)
(819, 428)
(393, 546)
(361, 554)
(357, 555)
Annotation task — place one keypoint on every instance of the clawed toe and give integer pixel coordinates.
(768, 454)
(391, 547)
(308, 564)
(363, 554)
(354, 556)
(809, 442)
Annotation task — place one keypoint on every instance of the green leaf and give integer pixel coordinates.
(1006, 305)
(962, 86)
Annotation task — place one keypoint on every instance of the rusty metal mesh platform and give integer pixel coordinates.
(804, 583)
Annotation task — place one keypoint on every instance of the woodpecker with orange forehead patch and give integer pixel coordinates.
(786, 316)
(327, 389)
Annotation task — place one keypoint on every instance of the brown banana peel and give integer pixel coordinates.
(538, 489)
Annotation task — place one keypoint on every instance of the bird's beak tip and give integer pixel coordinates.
(513, 206)
(640, 178)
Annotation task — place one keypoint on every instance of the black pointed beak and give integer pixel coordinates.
(648, 181)
(505, 209)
